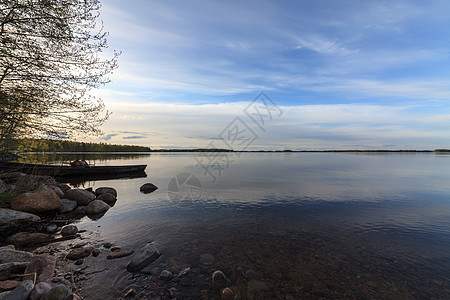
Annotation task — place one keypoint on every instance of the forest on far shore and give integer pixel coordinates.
(39, 145)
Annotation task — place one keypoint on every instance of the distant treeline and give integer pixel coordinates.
(192, 150)
(39, 145)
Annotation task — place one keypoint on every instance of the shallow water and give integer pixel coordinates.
(308, 225)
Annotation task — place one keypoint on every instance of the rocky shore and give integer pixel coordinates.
(36, 258)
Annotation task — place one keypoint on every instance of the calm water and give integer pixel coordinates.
(307, 225)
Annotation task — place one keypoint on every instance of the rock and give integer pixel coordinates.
(44, 267)
(89, 189)
(96, 252)
(10, 215)
(105, 190)
(58, 280)
(172, 292)
(183, 272)
(148, 188)
(8, 247)
(206, 259)
(78, 253)
(218, 275)
(130, 293)
(9, 270)
(79, 261)
(256, 286)
(165, 275)
(8, 285)
(115, 248)
(143, 257)
(3, 186)
(250, 274)
(69, 230)
(64, 187)
(97, 207)
(82, 197)
(109, 199)
(57, 191)
(227, 294)
(119, 253)
(21, 239)
(36, 201)
(107, 245)
(67, 205)
(80, 210)
(39, 289)
(52, 229)
(59, 292)
(9, 255)
(21, 292)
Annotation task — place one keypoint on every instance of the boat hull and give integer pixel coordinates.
(54, 170)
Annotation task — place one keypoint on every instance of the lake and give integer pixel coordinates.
(281, 225)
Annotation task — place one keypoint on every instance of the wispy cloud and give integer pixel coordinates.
(372, 73)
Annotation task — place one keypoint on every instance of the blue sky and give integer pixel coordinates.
(345, 74)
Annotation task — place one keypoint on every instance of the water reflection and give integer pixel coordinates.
(313, 225)
(93, 158)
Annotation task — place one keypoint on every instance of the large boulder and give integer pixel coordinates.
(10, 255)
(10, 215)
(97, 207)
(59, 292)
(21, 292)
(8, 285)
(39, 289)
(57, 191)
(21, 239)
(148, 188)
(82, 197)
(143, 257)
(44, 267)
(109, 199)
(105, 190)
(36, 201)
(10, 270)
(67, 205)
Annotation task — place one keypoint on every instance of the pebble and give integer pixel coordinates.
(115, 248)
(227, 294)
(206, 259)
(165, 275)
(78, 253)
(107, 245)
(79, 261)
(256, 286)
(130, 293)
(52, 228)
(172, 292)
(119, 253)
(183, 272)
(69, 230)
(96, 252)
(218, 275)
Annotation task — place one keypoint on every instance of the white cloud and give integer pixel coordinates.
(159, 124)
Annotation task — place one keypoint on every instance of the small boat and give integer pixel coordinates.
(57, 170)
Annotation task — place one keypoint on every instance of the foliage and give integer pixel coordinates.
(72, 146)
(49, 61)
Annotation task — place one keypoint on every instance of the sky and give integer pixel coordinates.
(272, 75)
